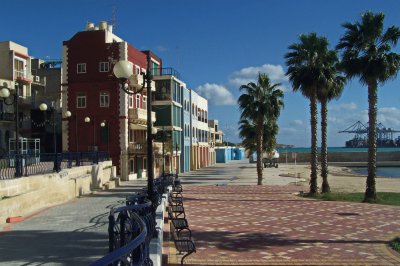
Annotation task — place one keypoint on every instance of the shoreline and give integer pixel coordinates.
(341, 178)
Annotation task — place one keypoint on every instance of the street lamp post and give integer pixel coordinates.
(123, 70)
(5, 93)
(87, 120)
(43, 107)
(103, 124)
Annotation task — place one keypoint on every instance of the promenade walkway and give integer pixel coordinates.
(269, 225)
(234, 222)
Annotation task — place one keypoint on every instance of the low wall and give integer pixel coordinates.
(341, 157)
(21, 196)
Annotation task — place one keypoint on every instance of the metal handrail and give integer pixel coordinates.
(121, 253)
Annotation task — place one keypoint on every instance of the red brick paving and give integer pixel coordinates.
(269, 225)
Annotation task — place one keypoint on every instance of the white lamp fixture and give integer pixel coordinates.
(87, 119)
(4, 93)
(154, 130)
(67, 114)
(43, 107)
(103, 124)
(123, 69)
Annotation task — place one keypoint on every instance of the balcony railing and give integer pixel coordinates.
(7, 117)
(141, 147)
(139, 115)
(167, 71)
(137, 147)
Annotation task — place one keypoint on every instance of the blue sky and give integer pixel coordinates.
(217, 45)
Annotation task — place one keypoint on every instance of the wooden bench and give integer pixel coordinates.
(183, 243)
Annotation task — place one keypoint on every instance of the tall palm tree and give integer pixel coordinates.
(247, 131)
(332, 89)
(259, 104)
(367, 54)
(306, 65)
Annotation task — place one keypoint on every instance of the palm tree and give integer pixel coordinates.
(367, 54)
(331, 90)
(247, 131)
(259, 104)
(306, 66)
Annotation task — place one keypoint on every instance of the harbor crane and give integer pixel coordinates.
(384, 136)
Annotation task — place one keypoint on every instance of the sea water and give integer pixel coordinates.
(380, 171)
(338, 149)
(393, 172)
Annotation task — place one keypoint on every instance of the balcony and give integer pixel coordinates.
(168, 71)
(8, 117)
(22, 76)
(139, 116)
(39, 81)
(140, 148)
(137, 148)
(140, 81)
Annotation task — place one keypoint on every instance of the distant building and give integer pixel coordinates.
(35, 86)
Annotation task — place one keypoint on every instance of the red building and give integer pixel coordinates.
(115, 121)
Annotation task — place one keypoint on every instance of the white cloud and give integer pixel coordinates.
(249, 74)
(216, 94)
(344, 106)
(389, 117)
(296, 122)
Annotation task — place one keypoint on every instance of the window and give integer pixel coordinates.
(131, 166)
(81, 68)
(104, 99)
(137, 100)
(130, 101)
(104, 67)
(19, 67)
(131, 135)
(144, 104)
(137, 70)
(81, 101)
(144, 163)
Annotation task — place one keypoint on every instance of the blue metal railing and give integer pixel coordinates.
(128, 245)
(41, 163)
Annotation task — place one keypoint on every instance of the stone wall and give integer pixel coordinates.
(25, 195)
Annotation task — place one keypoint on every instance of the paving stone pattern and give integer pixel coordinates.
(269, 225)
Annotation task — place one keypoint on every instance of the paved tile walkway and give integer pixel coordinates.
(269, 225)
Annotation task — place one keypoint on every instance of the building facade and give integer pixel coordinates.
(167, 104)
(91, 93)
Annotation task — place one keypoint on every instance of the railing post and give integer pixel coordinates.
(69, 160)
(122, 228)
(111, 236)
(18, 170)
(56, 167)
(78, 158)
(26, 164)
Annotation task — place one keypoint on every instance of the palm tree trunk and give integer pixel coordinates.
(370, 192)
(324, 146)
(260, 133)
(313, 159)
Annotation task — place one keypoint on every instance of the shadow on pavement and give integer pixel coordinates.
(57, 248)
(243, 242)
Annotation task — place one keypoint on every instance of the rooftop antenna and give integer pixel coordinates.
(114, 15)
(177, 57)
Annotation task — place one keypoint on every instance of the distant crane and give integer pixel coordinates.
(384, 136)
